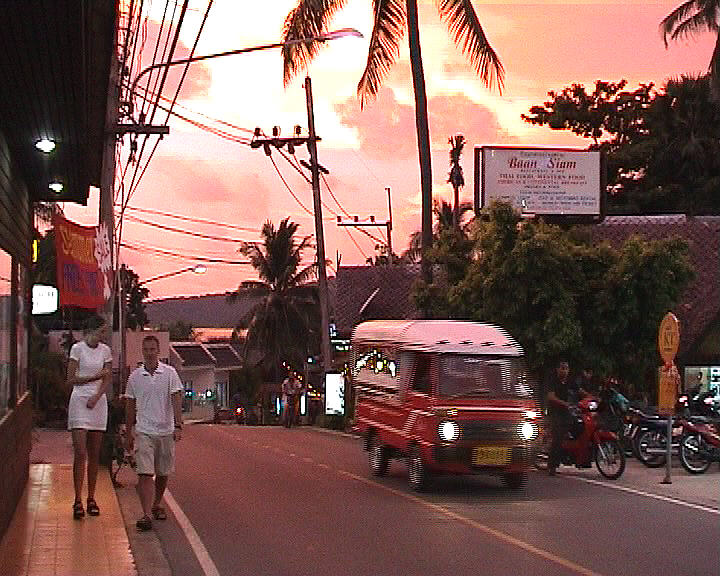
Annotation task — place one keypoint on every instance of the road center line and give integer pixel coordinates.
(647, 494)
(577, 568)
(201, 553)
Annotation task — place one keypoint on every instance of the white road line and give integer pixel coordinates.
(564, 562)
(647, 494)
(201, 553)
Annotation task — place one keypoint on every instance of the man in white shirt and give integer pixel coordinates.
(154, 423)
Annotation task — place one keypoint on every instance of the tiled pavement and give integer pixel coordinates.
(44, 539)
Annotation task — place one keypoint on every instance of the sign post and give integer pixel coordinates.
(668, 342)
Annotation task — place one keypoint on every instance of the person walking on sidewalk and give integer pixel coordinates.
(89, 373)
(153, 425)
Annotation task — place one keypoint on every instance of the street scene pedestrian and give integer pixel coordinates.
(89, 372)
(562, 393)
(153, 425)
(291, 388)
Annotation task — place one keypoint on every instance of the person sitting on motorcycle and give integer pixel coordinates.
(562, 394)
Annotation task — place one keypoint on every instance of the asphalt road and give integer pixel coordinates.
(272, 501)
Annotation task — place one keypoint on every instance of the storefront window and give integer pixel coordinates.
(5, 329)
(22, 340)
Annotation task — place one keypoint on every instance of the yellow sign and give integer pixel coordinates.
(668, 387)
(669, 338)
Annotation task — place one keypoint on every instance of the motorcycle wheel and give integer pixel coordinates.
(690, 459)
(654, 439)
(610, 459)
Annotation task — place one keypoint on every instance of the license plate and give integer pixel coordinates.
(491, 455)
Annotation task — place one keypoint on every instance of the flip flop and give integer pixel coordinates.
(159, 513)
(92, 507)
(78, 510)
(144, 524)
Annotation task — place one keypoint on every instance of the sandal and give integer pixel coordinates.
(159, 513)
(144, 524)
(92, 507)
(78, 510)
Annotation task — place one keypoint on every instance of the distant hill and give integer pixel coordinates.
(207, 311)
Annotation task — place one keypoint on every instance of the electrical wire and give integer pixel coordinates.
(170, 253)
(191, 219)
(186, 232)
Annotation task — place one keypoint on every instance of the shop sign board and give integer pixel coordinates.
(84, 264)
(546, 181)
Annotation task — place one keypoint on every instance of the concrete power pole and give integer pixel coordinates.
(107, 177)
(319, 235)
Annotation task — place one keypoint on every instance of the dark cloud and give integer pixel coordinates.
(198, 79)
(386, 128)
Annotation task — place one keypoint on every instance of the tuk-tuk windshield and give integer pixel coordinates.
(486, 376)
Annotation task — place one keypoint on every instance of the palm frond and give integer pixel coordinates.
(468, 34)
(675, 18)
(305, 275)
(388, 31)
(696, 24)
(309, 18)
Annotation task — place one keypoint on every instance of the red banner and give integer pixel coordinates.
(84, 266)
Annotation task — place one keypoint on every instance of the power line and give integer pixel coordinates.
(191, 219)
(181, 231)
(169, 253)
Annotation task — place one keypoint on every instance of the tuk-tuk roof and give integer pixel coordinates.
(441, 336)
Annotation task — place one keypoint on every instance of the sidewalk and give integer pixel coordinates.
(43, 539)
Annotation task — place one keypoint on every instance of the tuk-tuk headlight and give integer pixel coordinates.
(448, 431)
(528, 430)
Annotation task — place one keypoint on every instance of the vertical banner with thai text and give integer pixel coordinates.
(84, 264)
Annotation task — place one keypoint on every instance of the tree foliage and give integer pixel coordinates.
(662, 148)
(283, 325)
(560, 295)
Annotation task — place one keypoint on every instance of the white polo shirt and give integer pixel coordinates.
(153, 405)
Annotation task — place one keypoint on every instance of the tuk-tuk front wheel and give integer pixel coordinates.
(418, 473)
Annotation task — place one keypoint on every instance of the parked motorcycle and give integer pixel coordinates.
(588, 442)
(240, 415)
(699, 444)
(652, 439)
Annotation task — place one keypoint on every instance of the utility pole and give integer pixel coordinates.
(107, 177)
(319, 235)
(357, 223)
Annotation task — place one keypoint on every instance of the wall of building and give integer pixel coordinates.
(15, 403)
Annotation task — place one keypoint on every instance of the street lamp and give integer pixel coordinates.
(197, 269)
(333, 35)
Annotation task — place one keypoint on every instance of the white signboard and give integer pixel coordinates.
(334, 393)
(541, 180)
(44, 299)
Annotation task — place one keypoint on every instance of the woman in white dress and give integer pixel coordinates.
(89, 374)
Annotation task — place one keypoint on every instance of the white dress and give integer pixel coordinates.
(90, 362)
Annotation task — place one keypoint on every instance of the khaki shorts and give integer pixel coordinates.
(154, 455)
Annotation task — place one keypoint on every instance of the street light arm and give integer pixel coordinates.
(168, 275)
(320, 38)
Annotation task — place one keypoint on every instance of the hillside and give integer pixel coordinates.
(207, 311)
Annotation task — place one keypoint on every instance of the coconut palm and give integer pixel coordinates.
(280, 325)
(392, 18)
(444, 213)
(692, 18)
(455, 176)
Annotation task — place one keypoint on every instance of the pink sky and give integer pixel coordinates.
(543, 46)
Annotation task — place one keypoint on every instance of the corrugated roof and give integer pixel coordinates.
(192, 355)
(225, 356)
(373, 293)
(699, 305)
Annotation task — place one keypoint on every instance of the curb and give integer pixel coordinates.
(147, 551)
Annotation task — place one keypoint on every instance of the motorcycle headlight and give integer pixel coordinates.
(592, 406)
(528, 430)
(448, 431)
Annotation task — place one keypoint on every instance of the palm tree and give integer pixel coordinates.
(392, 17)
(280, 323)
(455, 176)
(691, 18)
(444, 220)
